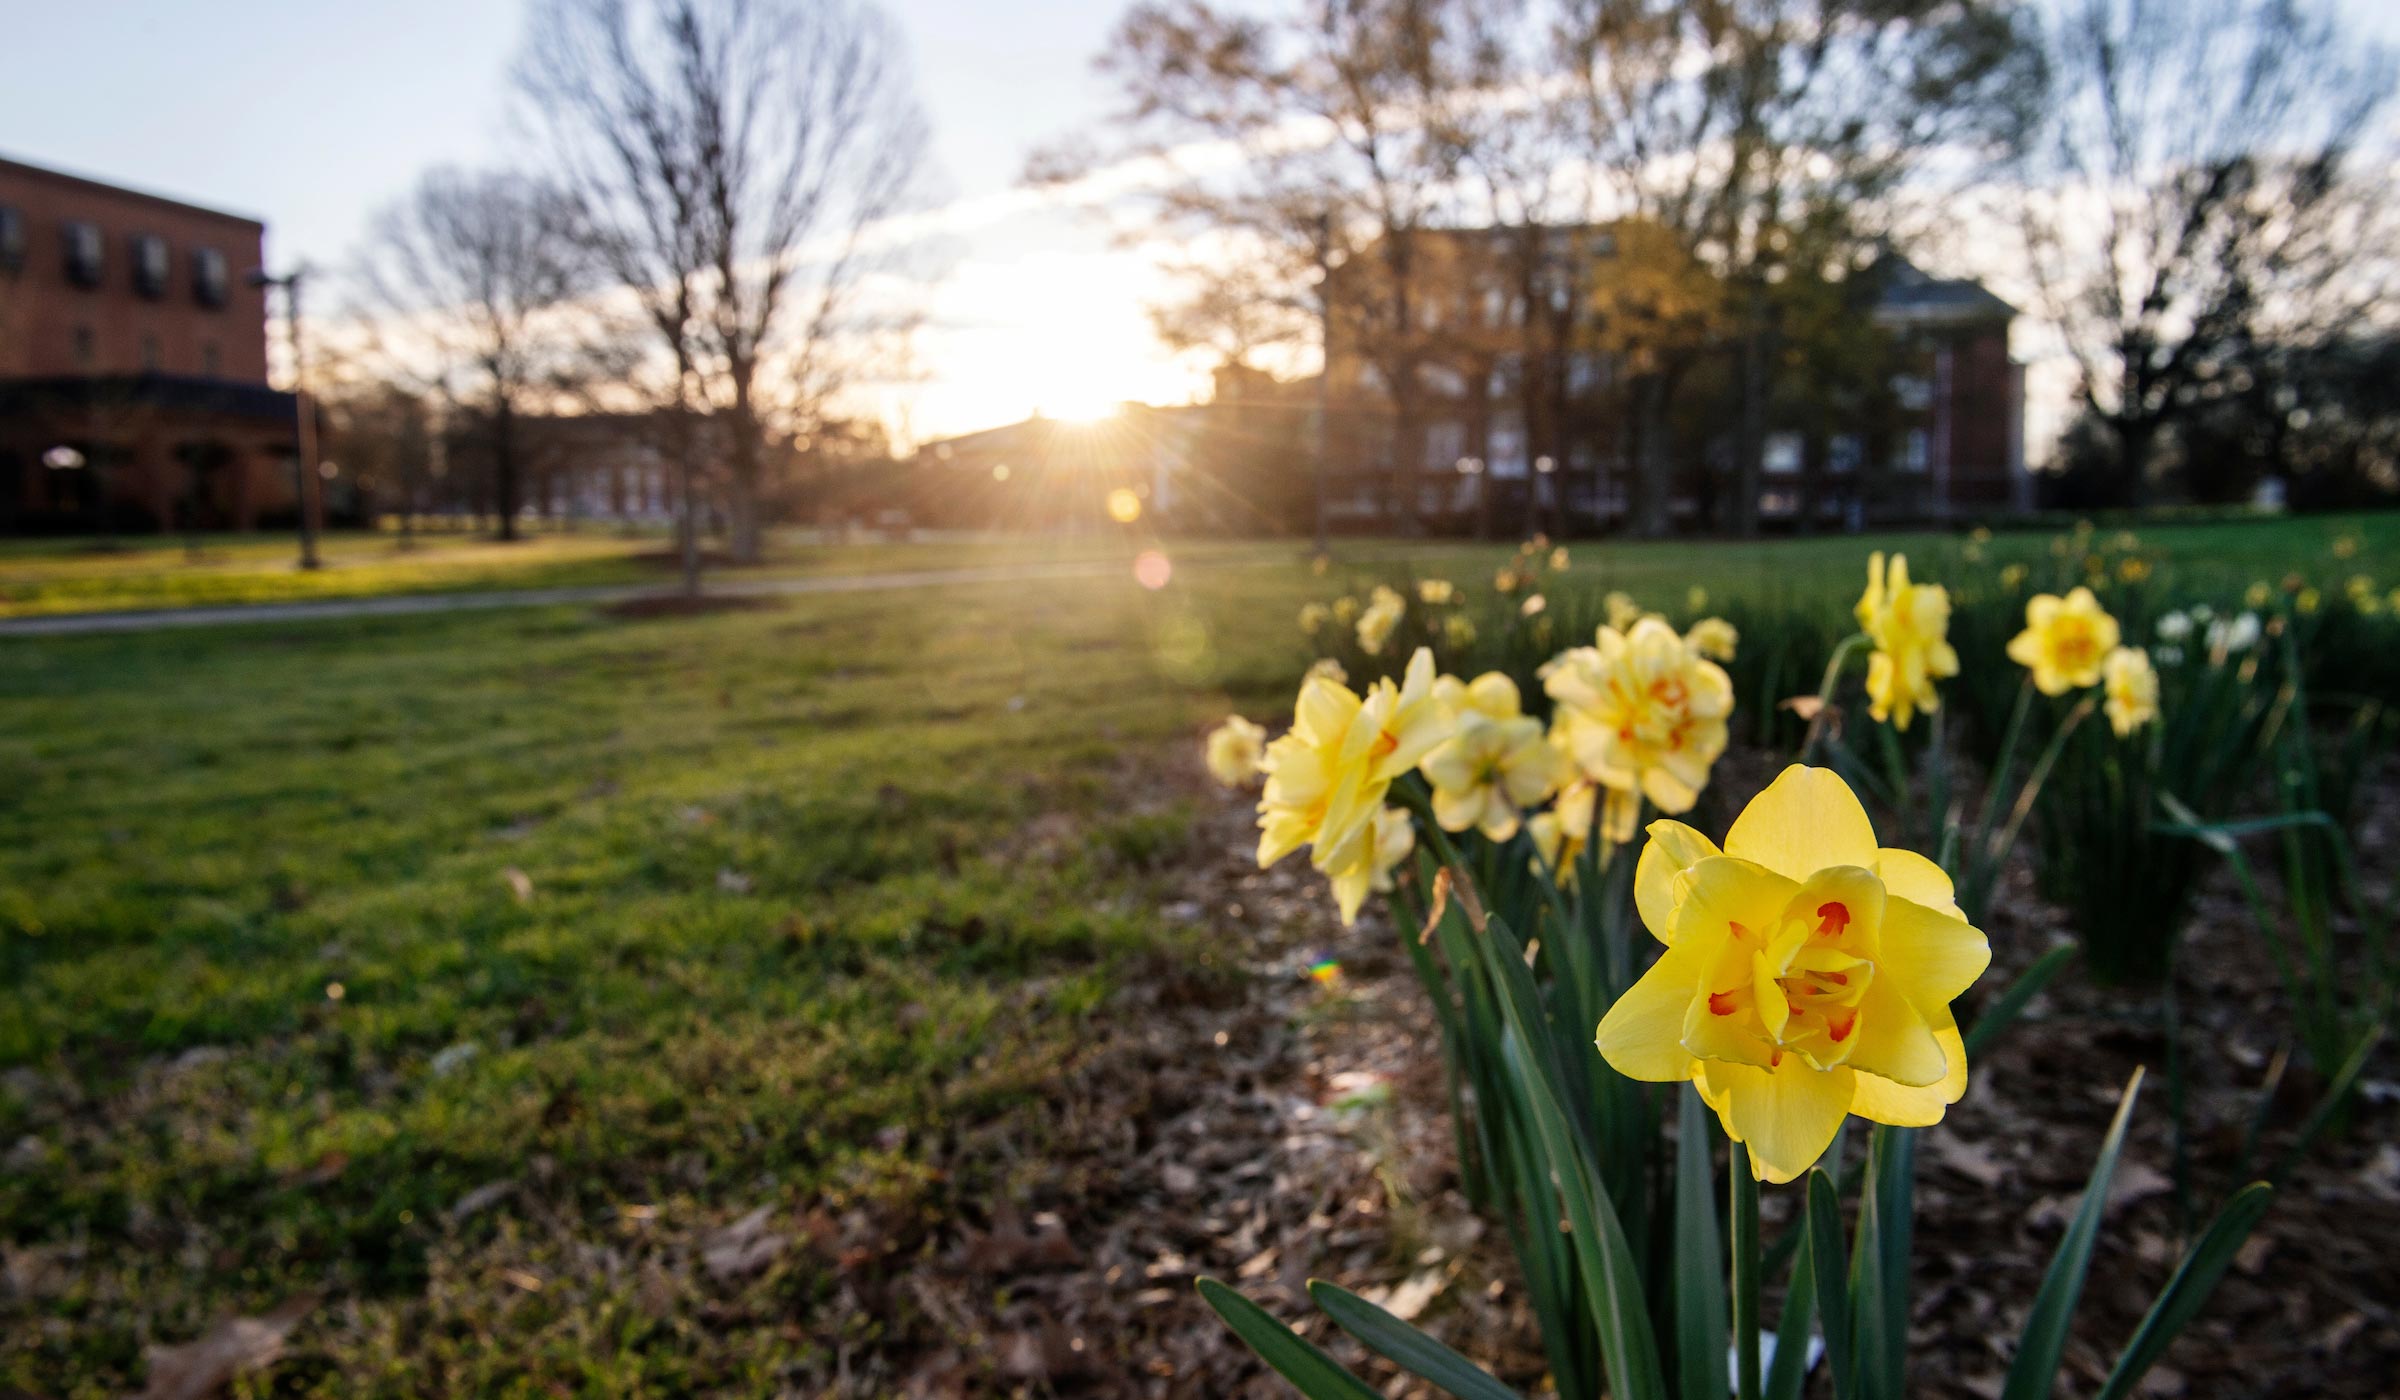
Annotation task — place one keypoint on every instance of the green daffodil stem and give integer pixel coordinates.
(1833, 677)
(1744, 1215)
(2039, 774)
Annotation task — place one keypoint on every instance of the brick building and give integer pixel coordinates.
(1520, 420)
(133, 363)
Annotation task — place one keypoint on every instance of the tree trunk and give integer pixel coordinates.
(1652, 471)
(504, 464)
(1750, 435)
(743, 507)
(687, 487)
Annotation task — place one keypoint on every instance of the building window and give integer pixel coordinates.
(84, 249)
(1782, 454)
(150, 265)
(1919, 454)
(210, 286)
(209, 362)
(150, 354)
(86, 348)
(12, 239)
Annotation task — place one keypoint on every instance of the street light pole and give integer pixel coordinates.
(311, 488)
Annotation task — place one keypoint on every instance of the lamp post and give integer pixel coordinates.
(311, 488)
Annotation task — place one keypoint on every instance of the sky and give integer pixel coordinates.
(311, 115)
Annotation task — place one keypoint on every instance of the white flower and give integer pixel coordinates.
(2228, 635)
(2174, 627)
(2170, 656)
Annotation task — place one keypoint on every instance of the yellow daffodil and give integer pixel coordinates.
(2308, 600)
(2258, 594)
(1808, 974)
(1697, 598)
(2012, 577)
(1498, 763)
(1385, 608)
(1561, 833)
(1330, 669)
(1505, 580)
(1558, 559)
(1434, 592)
(1313, 617)
(2345, 546)
(1623, 612)
(1390, 838)
(1533, 605)
(1714, 638)
(1234, 749)
(1327, 776)
(1643, 715)
(1345, 610)
(2064, 641)
(2131, 687)
(1458, 630)
(1910, 626)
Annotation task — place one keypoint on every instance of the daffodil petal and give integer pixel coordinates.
(1806, 820)
(1913, 877)
(1787, 1115)
(1642, 1035)
(1906, 1106)
(1720, 892)
(1933, 954)
(1893, 1040)
(1672, 849)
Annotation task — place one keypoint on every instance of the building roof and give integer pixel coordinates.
(1911, 296)
(86, 183)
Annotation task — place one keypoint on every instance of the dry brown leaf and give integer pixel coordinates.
(235, 1345)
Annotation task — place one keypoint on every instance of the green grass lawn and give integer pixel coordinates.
(40, 577)
(803, 887)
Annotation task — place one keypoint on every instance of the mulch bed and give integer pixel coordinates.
(1248, 1123)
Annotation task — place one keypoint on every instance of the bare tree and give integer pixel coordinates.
(736, 158)
(2195, 194)
(473, 273)
(1342, 162)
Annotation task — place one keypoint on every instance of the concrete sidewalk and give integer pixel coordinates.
(413, 604)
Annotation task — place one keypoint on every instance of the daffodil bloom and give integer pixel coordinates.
(1384, 611)
(2258, 594)
(1561, 833)
(1390, 838)
(2012, 577)
(1910, 626)
(1345, 610)
(1714, 638)
(1533, 605)
(1234, 749)
(1435, 591)
(1697, 598)
(1497, 764)
(1505, 580)
(1458, 630)
(1808, 974)
(1313, 617)
(2174, 627)
(2132, 689)
(1643, 715)
(2308, 600)
(1623, 612)
(2064, 641)
(1330, 669)
(1327, 775)
(1558, 559)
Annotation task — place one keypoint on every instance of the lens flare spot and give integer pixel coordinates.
(1124, 507)
(1151, 569)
